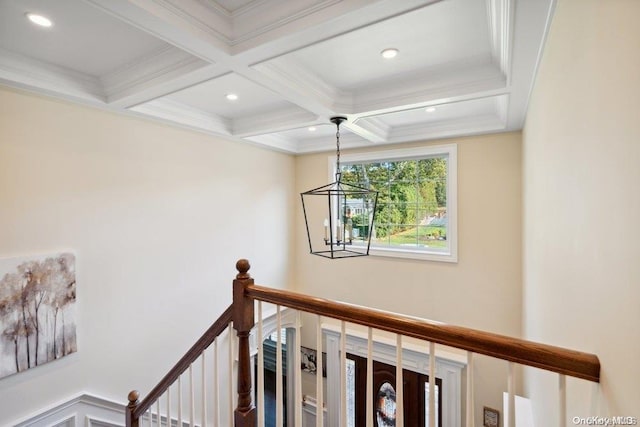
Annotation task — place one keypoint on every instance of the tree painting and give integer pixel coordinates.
(37, 311)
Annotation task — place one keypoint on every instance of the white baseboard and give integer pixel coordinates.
(84, 410)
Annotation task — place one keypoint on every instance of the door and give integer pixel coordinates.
(415, 395)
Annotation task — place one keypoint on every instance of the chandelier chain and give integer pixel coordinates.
(338, 148)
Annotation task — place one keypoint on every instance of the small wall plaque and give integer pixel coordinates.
(491, 417)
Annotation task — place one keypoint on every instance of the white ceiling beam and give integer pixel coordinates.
(372, 129)
(162, 20)
(325, 20)
(296, 84)
(154, 75)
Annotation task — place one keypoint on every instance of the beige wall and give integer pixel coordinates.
(482, 290)
(157, 217)
(581, 206)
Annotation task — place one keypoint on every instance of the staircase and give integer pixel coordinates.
(191, 393)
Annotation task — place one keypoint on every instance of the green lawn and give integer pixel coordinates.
(421, 235)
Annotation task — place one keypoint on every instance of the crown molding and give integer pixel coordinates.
(445, 129)
(264, 7)
(23, 71)
(319, 144)
(176, 112)
(410, 93)
(183, 27)
(149, 71)
(192, 12)
(279, 142)
(500, 18)
(273, 121)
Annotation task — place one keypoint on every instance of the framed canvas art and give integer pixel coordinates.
(37, 311)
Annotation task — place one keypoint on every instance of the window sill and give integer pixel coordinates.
(419, 255)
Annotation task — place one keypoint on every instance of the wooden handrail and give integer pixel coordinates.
(194, 352)
(552, 358)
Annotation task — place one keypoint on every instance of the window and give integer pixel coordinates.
(416, 209)
(283, 336)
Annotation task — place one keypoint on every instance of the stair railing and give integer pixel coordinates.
(136, 409)
(563, 361)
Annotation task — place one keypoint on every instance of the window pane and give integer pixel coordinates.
(426, 404)
(411, 212)
(351, 393)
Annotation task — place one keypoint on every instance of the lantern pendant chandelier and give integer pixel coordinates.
(339, 217)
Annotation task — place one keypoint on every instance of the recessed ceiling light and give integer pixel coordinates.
(232, 96)
(389, 53)
(312, 128)
(430, 109)
(43, 21)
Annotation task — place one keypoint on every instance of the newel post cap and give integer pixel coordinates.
(243, 267)
(134, 395)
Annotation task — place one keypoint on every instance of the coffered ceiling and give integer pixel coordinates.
(463, 66)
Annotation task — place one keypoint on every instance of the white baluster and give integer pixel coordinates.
(343, 373)
(470, 392)
(369, 393)
(150, 420)
(179, 401)
(562, 396)
(319, 388)
(260, 408)
(204, 392)
(511, 390)
(432, 384)
(279, 393)
(192, 403)
(158, 412)
(298, 374)
(169, 406)
(399, 384)
(216, 385)
(231, 377)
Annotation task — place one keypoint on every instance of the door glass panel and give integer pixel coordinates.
(351, 393)
(386, 406)
(426, 404)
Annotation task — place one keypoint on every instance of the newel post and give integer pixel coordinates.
(131, 407)
(243, 321)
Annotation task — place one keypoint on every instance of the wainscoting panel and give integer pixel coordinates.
(81, 411)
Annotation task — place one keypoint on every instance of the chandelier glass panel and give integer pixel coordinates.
(339, 217)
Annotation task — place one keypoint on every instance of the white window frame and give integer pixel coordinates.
(450, 150)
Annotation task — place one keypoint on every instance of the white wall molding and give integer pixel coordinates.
(309, 409)
(82, 410)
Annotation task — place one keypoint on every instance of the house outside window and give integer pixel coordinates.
(416, 215)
